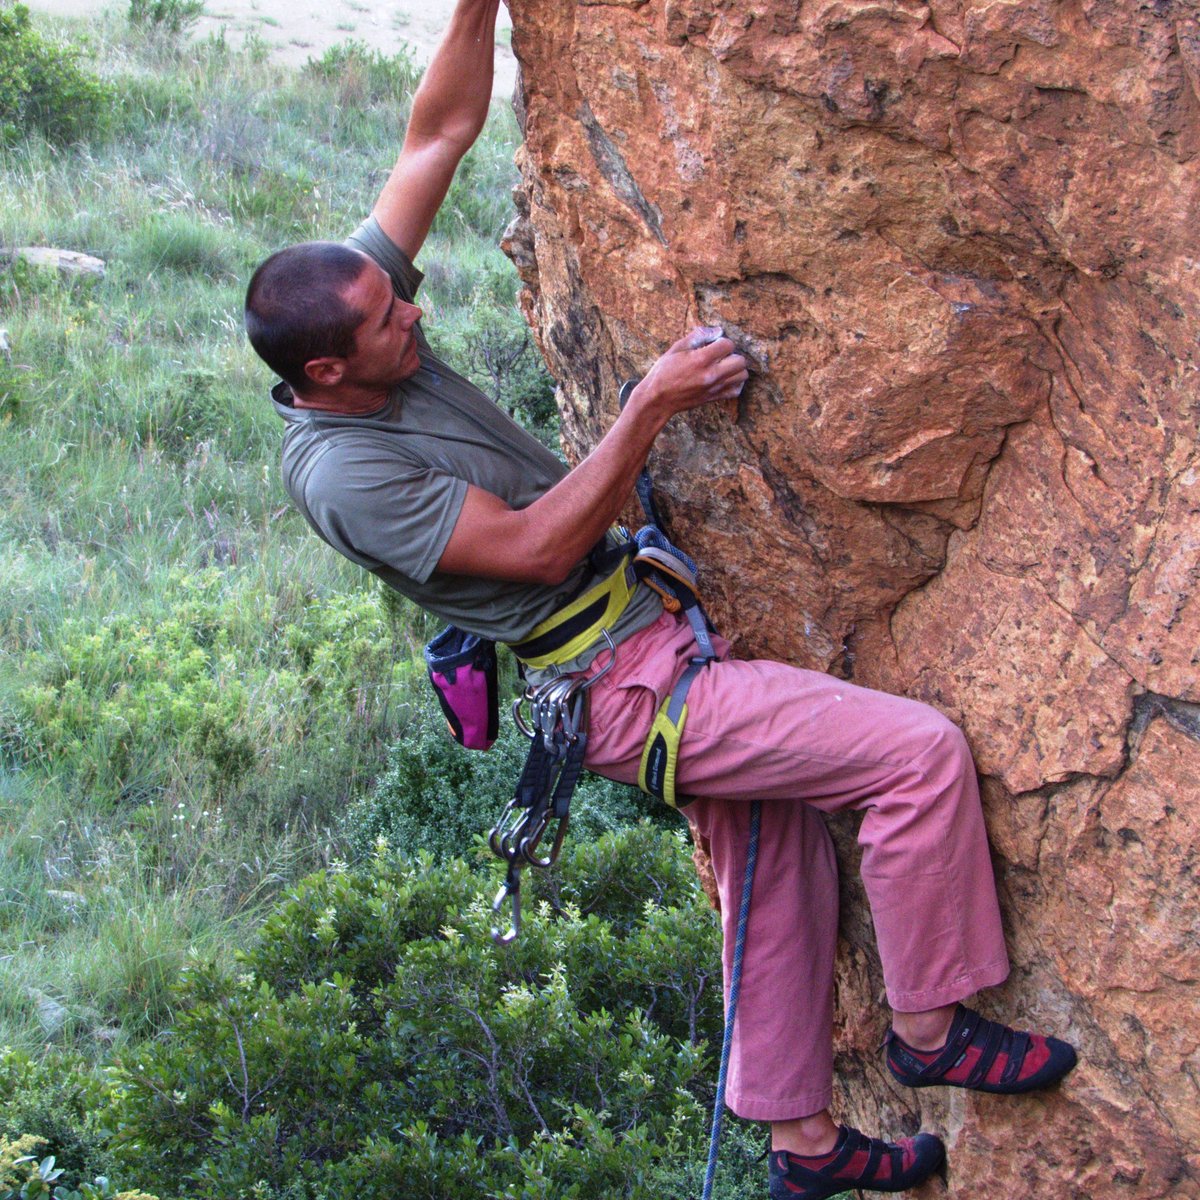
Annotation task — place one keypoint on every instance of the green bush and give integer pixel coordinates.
(24, 1177)
(437, 797)
(54, 1099)
(171, 16)
(112, 693)
(43, 87)
(376, 1043)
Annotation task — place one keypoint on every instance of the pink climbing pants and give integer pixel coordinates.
(805, 743)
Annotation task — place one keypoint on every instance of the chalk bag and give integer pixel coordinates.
(462, 669)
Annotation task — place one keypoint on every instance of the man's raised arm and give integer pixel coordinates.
(448, 113)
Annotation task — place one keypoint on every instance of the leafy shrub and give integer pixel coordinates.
(438, 797)
(364, 75)
(43, 87)
(54, 1099)
(376, 1043)
(23, 1177)
(113, 692)
(171, 16)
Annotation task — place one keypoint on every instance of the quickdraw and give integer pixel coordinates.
(557, 729)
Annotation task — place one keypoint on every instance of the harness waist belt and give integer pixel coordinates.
(576, 627)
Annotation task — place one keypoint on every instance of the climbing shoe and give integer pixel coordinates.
(982, 1055)
(856, 1161)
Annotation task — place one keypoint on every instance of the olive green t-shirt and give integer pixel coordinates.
(386, 489)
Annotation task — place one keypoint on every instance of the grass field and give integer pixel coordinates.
(192, 688)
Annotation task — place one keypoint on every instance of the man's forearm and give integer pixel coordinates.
(576, 513)
(452, 101)
(544, 542)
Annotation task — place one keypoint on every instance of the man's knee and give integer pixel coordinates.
(939, 743)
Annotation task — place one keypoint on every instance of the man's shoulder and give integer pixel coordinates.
(337, 445)
(373, 242)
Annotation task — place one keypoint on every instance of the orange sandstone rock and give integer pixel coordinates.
(959, 242)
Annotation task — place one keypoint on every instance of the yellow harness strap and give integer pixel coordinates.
(577, 627)
(582, 622)
(660, 755)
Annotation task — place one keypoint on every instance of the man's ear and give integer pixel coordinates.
(326, 372)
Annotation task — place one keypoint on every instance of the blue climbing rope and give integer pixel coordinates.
(735, 986)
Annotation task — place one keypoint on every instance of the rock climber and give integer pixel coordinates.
(404, 467)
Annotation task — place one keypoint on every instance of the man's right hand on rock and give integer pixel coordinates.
(698, 369)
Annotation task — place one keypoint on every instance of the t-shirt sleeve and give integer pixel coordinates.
(370, 239)
(397, 514)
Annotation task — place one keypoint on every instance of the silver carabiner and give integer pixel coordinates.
(573, 715)
(532, 835)
(526, 697)
(548, 708)
(502, 839)
(511, 889)
(608, 666)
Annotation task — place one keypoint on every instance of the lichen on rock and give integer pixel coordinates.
(957, 240)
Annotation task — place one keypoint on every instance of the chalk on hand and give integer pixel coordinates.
(705, 336)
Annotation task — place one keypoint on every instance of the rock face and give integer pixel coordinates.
(961, 243)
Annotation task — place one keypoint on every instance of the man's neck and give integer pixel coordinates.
(349, 403)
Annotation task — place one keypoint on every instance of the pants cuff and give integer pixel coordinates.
(950, 993)
(756, 1108)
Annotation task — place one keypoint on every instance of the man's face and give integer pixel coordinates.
(385, 347)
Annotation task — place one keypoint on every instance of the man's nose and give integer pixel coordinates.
(410, 314)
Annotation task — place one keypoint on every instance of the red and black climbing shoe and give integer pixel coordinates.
(982, 1055)
(856, 1161)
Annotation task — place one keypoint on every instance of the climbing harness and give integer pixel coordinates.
(577, 627)
(557, 727)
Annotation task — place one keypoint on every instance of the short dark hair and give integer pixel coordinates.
(294, 307)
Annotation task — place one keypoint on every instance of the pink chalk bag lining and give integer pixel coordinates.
(462, 669)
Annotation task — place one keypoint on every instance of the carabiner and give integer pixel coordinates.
(527, 846)
(574, 713)
(510, 888)
(526, 697)
(608, 666)
(507, 827)
(529, 833)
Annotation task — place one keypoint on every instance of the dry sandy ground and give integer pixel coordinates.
(301, 29)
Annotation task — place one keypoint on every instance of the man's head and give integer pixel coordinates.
(325, 319)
